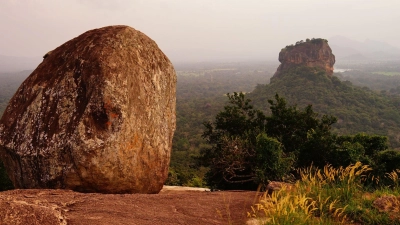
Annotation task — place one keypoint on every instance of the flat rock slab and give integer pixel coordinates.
(34, 206)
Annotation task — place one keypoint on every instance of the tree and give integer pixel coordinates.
(233, 138)
(271, 162)
(388, 161)
(248, 148)
(301, 132)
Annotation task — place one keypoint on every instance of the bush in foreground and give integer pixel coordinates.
(329, 196)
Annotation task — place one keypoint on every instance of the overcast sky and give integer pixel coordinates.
(198, 30)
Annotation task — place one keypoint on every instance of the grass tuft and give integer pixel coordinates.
(328, 196)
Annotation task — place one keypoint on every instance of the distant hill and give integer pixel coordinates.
(16, 64)
(357, 109)
(347, 49)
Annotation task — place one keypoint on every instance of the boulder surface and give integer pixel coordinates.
(97, 115)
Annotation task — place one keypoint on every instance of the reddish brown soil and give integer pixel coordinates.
(169, 207)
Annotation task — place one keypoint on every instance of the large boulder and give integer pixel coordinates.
(311, 53)
(97, 115)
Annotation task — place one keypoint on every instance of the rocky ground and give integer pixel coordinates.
(172, 206)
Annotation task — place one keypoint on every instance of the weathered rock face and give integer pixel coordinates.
(312, 53)
(97, 115)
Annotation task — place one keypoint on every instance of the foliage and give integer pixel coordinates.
(317, 148)
(312, 41)
(387, 161)
(172, 179)
(360, 147)
(357, 109)
(301, 132)
(200, 96)
(247, 147)
(325, 196)
(233, 139)
(270, 160)
(373, 144)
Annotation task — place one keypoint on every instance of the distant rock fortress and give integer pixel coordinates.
(97, 115)
(311, 53)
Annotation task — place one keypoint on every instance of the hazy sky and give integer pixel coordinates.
(198, 30)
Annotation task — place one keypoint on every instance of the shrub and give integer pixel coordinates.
(386, 162)
(232, 137)
(272, 164)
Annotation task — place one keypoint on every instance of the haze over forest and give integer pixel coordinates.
(202, 31)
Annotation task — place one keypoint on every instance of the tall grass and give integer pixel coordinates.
(326, 196)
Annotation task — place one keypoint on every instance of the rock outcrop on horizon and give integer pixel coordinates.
(97, 115)
(311, 53)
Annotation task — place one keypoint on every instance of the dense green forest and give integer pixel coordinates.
(358, 109)
(249, 148)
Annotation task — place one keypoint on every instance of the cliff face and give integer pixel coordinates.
(312, 53)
